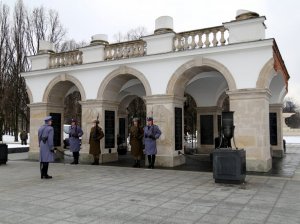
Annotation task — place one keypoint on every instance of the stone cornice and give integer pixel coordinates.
(163, 99)
(279, 64)
(99, 103)
(249, 94)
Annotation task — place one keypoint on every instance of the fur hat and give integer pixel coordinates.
(96, 121)
(135, 119)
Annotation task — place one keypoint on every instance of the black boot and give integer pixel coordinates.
(135, 164)
(149, 161)
(42, 170)
(153, 161)
(46, 165)
(76, 158)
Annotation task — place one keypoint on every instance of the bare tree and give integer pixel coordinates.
(4, 62)
(43, 25)
(70, 45)
(133, 34)
(18, 38)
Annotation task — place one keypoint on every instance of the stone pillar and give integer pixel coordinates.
(277, 149)
(95, 52)
(162, 109)
(38, 111)
(90, 110)
(251, 120)
(162, 40)
(209, 113)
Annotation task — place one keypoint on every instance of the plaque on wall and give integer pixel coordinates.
(207, 129)
(56, 124)
(178, 128)
(109, 129)
(273, 128)
(122, 129)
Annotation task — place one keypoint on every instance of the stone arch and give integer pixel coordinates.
(29, 93)
(62, 78)
(177, 78)
(266, 75)
(123, 70)
(221, 99)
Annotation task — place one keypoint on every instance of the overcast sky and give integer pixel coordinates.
(84, 18)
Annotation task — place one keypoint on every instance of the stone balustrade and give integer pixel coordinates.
(65, 59)
(125, 50)
(203, 38)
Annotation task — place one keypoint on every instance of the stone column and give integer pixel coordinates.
(38, 111)
(90, 111)
(214, 112)
(251, 120)
(162, 109)
(277, 150)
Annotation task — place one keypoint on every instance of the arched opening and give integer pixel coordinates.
(206, 82)
(125, 87)
(274, 77)
(62, 97)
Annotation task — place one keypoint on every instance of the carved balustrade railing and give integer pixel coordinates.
(65, 59)
(203, 38)
(136, 48)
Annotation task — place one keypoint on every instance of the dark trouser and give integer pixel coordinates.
(23, 142)
(151, 161)
(44, 169)
(76, 157)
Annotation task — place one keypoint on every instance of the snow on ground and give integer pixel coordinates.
(10, 141)
(292, 139)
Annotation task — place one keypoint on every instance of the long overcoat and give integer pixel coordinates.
(74, 133)
(136, 140)
(95, 142)
(45, 147)
(151, 133)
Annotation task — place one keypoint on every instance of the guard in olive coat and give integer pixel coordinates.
(23, 137)
(151, 133)
(45, 137)
(96, 135)
(136, 134)
(75, 132)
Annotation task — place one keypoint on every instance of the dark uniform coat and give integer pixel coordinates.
(74, 133)
(94, 141)
(46, 155)
(136, 140)
(23, 135)
(151, 133)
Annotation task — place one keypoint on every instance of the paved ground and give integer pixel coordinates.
(109, 194)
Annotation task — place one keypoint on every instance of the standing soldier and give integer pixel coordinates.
(45, 136)
(151, 133)
(74, 133)
(136, 134)
(95, 136)
(23, 137)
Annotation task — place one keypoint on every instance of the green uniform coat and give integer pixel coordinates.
(95, 143)
(136, 141)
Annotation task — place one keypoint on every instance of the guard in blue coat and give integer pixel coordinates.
(151, 133)
(75, 132)
(45, 137)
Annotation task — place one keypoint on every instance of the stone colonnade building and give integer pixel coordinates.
(233, 62)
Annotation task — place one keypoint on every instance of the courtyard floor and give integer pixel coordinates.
(111, 194)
